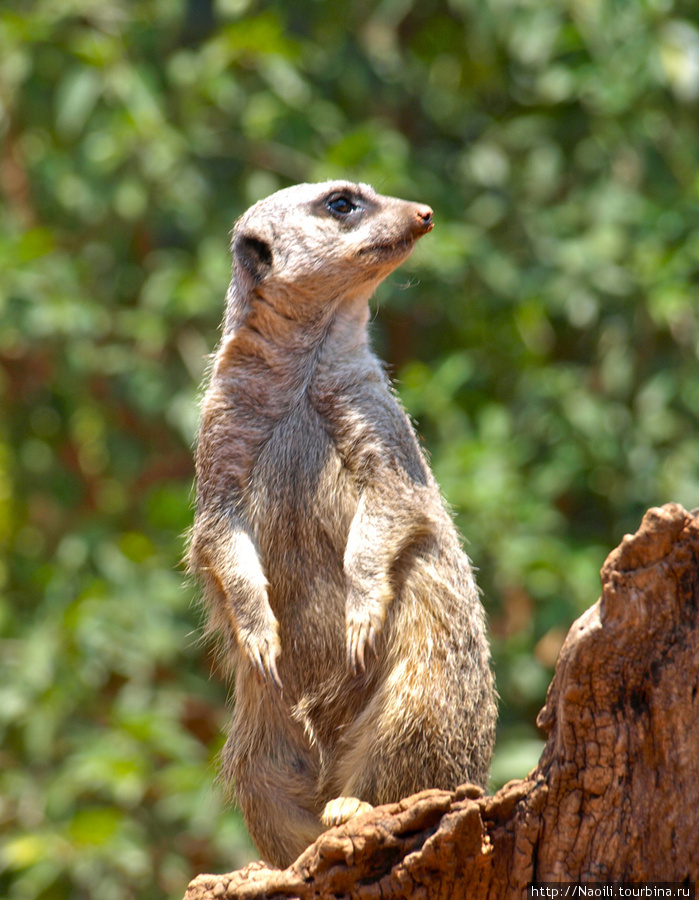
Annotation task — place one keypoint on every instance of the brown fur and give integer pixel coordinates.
(332, 570)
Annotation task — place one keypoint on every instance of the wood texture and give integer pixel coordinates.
(615, 795)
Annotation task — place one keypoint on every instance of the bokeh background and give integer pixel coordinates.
(545, 337)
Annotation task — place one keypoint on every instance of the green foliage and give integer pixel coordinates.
(545, 337)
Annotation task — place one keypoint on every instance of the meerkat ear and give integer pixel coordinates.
(254, 254)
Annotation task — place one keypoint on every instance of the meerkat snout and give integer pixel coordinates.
(424, 219)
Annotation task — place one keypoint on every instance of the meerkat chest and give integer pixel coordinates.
(301, 496)
(286, 447)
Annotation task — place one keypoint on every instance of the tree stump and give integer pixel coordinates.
(615, 796)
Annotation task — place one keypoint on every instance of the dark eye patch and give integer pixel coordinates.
(341, 204)
(348, 205)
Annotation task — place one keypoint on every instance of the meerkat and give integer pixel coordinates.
(332, 570)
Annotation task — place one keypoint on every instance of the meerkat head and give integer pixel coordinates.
(316, 245)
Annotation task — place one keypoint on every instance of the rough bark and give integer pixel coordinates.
(615, 795)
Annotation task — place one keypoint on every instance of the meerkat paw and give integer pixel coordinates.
(263, 651)
(362, 631)
(342, 809)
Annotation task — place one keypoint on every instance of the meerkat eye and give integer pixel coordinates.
(341, 204)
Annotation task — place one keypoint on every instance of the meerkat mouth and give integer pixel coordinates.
(395, 248)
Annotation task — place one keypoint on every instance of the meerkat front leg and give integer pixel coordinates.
(387, 519)
(226, 557)
(368, 586)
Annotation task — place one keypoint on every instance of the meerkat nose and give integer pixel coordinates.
(423, 218)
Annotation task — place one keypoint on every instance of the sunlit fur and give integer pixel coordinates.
(332, 570)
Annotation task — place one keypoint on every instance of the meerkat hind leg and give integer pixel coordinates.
(276, 812)
(342, 809)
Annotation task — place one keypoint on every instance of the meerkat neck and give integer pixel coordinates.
(292, 350)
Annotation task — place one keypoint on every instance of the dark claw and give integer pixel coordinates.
(360, 654)
(372, 641)
(257, 663)
(274, 674)
(352, 651)
(355, 651)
